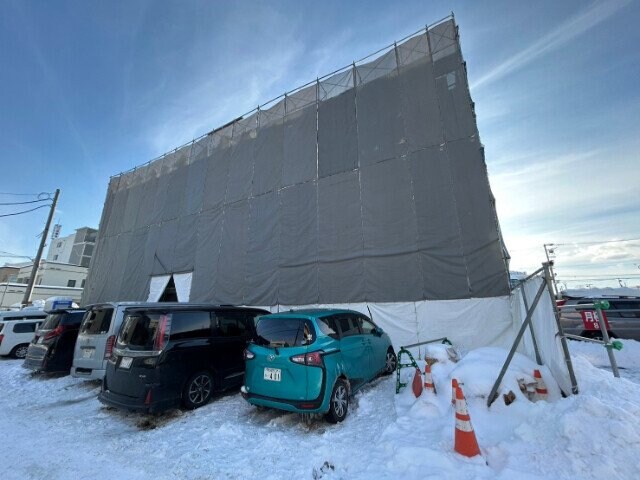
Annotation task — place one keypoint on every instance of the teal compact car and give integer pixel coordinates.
(311, 361)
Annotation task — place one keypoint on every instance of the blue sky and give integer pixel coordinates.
(88, 89)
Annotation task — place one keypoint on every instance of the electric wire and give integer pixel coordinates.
(24, 203)
(593, 243)
(26, 194)
(24, 211)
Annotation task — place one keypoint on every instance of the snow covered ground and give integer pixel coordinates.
(54, 428)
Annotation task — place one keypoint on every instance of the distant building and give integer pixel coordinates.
(9, 273)
(55, 274)
(52, 279)
(74, 249)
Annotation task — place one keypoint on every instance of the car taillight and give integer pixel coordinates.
(313, 359)
(108, 349)
(1, 338)
(162, 335)
(248, 355)
(55, 332)
(560, 303)
(148, 398)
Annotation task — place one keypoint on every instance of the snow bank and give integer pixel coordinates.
(56, 429)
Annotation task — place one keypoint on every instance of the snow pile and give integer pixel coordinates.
(56, 429)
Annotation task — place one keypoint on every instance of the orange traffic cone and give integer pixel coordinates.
(454, 386)
(428, 379)
(465, 438)
(541, 387)
(417, 383)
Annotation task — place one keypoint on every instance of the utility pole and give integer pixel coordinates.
(36, 263)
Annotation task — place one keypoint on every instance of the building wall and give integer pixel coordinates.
(13, 293)
(8, 274)
(60, 249)
(366, 186)
(55, 274)
(76, 249)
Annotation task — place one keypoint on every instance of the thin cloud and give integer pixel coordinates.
(573, 27)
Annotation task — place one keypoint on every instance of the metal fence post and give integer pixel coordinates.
(563, 341)
(607, 341)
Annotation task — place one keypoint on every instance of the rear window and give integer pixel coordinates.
(73, 319)
(284, 332)
(97, 321)
(139, 330)
(52, 321)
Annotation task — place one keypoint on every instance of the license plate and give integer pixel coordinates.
(126, 362)
(88, 352)
(272, 374)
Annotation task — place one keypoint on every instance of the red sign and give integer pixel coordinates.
(591, 321)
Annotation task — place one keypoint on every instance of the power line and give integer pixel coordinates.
(24, 211)
(26, 194)
(593, 243)
(24, 203)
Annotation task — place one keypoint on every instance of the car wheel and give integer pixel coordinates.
(198, 390)
(339, 403)
(391, 362)
(20, 351)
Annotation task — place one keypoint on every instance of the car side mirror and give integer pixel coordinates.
(377, 332)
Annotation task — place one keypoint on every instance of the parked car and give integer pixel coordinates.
(311, 361)
(171, 355)
(623, 316)
(52, 347)
(17, 328)
(97, 336)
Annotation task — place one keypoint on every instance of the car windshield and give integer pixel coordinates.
(97, 321)
(139, 330)
(282, 332)
(52, 321)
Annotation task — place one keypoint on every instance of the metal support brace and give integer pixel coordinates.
(533, 337)
(516, 342)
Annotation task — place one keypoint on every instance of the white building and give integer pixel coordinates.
(75, 249)
(13, 293)
(53, 279)
(55, 274)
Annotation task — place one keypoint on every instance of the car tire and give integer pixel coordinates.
(198, 390)
(391, 362)
(339, 402)
(20, 351)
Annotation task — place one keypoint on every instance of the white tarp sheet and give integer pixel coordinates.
(545, 329)
(468, 323)
(156, 286)
(182, 282)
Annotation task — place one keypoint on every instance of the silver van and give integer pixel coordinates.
(97, 336)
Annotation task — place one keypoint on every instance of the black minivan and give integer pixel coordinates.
(178, 355)
(51, 349)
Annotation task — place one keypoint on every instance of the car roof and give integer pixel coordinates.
(22, 314)
(310, 313)
(191, 306)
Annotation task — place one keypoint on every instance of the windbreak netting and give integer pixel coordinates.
(365, 186)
